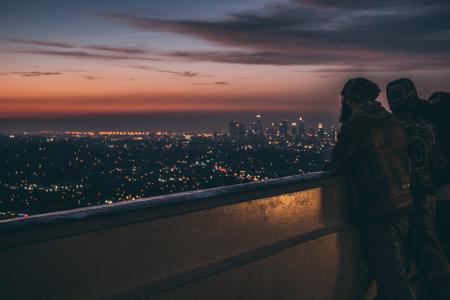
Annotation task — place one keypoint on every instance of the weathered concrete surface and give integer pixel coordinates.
(325, 268)
(288, 237)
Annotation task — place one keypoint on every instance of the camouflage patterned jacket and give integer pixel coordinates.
(421, 141)
(372, 151)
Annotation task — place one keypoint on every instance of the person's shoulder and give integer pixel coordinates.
(353, 123)
(376, 118)
(393, 121)
(419, 129)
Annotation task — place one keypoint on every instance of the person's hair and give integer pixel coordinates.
(439, 98)
(360, 90)
(440, 102)
(401, 95)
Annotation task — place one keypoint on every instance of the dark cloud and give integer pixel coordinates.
(382, 35)
(430, 65)
(124, 50)
(213, 83)
(319, 32)
(35, 74)
(45, 43)
(258, 58)
(357, 4)
(182, 74)
(101, 48)
(41, 43)
(353, 60)
(354, 70)
(92, 77)
(87, 55)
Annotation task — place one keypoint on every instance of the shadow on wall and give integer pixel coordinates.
(352, 269)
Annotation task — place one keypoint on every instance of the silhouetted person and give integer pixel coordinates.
(372, 151)
(425, 247)
(425, 109)
(440, 102)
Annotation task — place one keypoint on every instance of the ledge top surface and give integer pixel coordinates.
(160, 201)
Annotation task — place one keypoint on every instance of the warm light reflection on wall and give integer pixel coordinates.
(284, 209)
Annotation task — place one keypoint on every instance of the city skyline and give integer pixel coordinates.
(96, 63)
(207, 122)
(52, 171)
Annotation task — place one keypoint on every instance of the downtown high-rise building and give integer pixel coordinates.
(284, 129)
(272, 131)
(320, 131)
(236, 130)
(334, 133)
(294, 130)
(257, 128)
(301, 127)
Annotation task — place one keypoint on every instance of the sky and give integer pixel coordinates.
(193, 65)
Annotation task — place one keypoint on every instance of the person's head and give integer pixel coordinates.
(441, 106)
(355, 92)
(439, 98)
(401, 95)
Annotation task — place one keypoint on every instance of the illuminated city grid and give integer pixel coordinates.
(51, 171)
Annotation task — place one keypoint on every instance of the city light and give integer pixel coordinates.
(50, 171)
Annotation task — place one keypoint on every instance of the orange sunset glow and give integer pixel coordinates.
(111, 57)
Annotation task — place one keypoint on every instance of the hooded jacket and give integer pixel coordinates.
(421, 143)
(372, 151)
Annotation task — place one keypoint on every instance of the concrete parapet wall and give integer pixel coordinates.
(287, 238)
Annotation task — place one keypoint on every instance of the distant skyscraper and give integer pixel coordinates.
(232, 128)
(272, 131)
(257, 128)
(320, 131)
(301, 127)
(311, 131)
(236, 130)
(294, 130)
(333, 133)
(284, 128)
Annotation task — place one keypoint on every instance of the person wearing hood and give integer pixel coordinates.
(372, 152)
(425, 246)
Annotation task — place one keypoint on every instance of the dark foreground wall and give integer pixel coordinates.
(286, 238)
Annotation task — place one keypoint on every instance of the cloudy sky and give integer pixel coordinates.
(190, 65)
